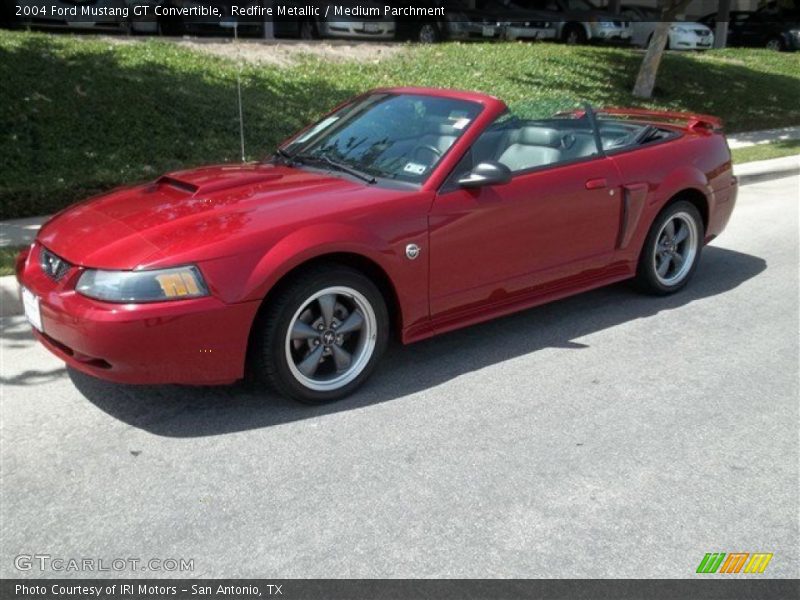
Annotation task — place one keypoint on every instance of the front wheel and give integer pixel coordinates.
(322, 335)
(672, 249)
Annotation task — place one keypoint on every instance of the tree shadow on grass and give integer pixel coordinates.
(176, 411)
(82, 119)
(746, 97)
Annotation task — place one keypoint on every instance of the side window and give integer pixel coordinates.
(522, 145)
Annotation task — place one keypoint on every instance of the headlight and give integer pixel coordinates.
(607, 24)
(143, 286)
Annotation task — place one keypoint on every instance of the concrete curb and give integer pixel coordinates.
(762, 170)
(10, 303)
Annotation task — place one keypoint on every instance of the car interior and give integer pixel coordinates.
(527, 144)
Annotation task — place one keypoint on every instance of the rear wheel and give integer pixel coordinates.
(672, 249)
(308, 30)
(428, 33)
(322, 335)
(574, 34)
(775, 44)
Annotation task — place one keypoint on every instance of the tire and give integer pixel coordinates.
(776, 44)
(308, 30)
(297, 349)
(574, 35)
(665, 246)
(428, 33)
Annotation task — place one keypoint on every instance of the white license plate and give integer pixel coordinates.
(488, 31)
(32, 312)
(371, 27)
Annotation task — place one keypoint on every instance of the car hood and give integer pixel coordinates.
(181, 211)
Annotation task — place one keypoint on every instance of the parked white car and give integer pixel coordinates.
(682, 35)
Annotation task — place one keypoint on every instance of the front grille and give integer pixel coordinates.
(54, 266)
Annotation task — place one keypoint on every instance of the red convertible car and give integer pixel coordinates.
(406, 212)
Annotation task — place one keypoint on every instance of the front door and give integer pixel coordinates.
(492, 244)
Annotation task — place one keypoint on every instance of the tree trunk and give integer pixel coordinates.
(646, 80)
(721, 28)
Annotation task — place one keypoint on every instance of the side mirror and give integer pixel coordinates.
(486, 173)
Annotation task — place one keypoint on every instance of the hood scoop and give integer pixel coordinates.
(201, 185)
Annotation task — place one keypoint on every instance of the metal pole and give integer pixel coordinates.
(721, 28)
(239, 88)
(268, 27)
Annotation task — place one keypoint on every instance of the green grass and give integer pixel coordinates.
(79, 115)
(765, 151)
(8, 255)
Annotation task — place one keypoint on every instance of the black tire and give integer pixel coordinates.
(648, 278)
(574, 34)
(775, 43)
(269, 351)
(429, 33)
(308, 30)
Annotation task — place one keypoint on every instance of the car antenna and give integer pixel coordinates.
(239, 86)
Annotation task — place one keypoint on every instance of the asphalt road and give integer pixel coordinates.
(608, 435)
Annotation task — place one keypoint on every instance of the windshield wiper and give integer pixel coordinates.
(312, 158)
(283, 154)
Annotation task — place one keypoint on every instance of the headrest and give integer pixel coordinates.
(538, 136)
(436, 127)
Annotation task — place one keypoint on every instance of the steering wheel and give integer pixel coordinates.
(427, 148)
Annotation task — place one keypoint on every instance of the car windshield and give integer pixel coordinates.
(386, 135)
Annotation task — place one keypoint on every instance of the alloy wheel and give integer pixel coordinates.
(676, 249)
(331, 338)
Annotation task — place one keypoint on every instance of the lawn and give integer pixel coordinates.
(765, 151)
(80, 114)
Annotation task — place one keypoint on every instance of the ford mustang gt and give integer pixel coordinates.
(404, 212)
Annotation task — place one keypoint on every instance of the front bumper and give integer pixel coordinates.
(612, 34)
(692, 42)
(512, 32)
(373, 30)
(201, 341)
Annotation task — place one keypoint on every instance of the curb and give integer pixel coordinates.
(10, 303)
(753, 172)
(763, 170)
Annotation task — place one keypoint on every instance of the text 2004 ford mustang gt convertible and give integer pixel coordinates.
(407, 211)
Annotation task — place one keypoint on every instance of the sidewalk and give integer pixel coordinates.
(19, 232)
(753, 138)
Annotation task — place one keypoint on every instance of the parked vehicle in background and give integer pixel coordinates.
(516, 22)
(336, 26)
(462, 20)
(682, 35)
(580, 21)
(772, 28)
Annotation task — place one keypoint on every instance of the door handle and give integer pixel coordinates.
(596, 184)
